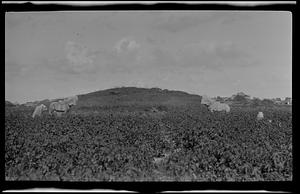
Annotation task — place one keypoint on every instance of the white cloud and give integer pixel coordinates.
(127, 55)
(126, 45)
(79, 58)
(212, 55)
(181, 21)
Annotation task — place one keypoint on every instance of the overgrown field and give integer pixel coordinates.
(177, 144)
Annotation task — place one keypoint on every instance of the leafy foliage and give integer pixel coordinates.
(121, 144)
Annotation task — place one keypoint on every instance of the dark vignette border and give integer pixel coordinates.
(140, 6)
(161, 186)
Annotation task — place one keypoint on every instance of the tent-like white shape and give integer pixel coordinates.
(260, 116)
(207, 100)
(218, 106)
(38, 110)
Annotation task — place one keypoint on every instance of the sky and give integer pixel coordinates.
(50, 55)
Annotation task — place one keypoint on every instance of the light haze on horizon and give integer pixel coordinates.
(50, 55)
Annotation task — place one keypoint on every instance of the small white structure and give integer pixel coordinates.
(62, 106)
(260, 116)
(207, 100)
(58, 108)
(288, 101)
(218, 106)
(71, 101)
(38, 110)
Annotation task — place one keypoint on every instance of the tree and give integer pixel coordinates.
(256, 102)
(267, 102)
(220, 99)
(240, 98)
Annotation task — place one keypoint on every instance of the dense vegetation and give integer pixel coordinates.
(131, 143)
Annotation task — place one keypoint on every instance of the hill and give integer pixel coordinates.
(131, 96)
(135, 97)
(9, 104)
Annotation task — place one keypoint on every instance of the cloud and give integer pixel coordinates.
(13, 20)
(175, 23)
(212, 55)
(162, 57)
(130, 56)
(123, 57)
(126, 45)
(226, 18)
(80, 59)
(181, 21)
(15, 66)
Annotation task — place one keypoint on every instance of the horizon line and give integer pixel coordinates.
(145, 87)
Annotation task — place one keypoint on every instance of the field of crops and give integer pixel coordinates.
(178, 144)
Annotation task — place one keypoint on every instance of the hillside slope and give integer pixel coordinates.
(130, 96)
(9, 104)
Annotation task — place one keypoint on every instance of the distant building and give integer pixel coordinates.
(288, 101)
(277, 100)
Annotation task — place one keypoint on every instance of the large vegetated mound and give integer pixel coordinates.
(136, 96)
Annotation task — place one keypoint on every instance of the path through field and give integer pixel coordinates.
(160, 162)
